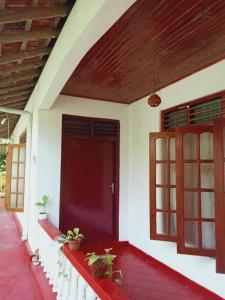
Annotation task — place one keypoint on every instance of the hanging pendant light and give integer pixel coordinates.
(154, 100)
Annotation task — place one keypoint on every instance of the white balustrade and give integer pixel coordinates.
(66, 281)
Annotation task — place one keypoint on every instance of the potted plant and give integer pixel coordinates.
(102, 265)
(97, 264)
(41, 204)
(73, 238)
(35, 258)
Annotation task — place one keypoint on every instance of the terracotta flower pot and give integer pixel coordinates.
(98, 269)
(74, 245)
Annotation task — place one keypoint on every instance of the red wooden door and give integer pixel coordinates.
(87, 194)
(195, 190)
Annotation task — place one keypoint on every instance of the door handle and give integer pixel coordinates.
(112, 186)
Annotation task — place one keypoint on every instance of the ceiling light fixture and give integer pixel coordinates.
(154, 100)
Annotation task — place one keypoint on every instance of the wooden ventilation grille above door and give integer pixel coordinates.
(105, 128)
(91, 127)
(200, 111)
(77, 126)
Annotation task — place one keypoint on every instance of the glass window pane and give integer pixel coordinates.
(190, 146)
(13, 185)
(22, 154)
(162, 223)
(190, 175)
(207, 175)
(161, 149)
(173, 174)
(191, 204)
(21, 170)
(206, 145)
(173, 224)
(208, 205)
(160, 198)
(15, 154)
(173, 198)
(21, 186)
(161, 173)
(20, 201)
(208, 235)
(14, 170)
(13, 201)
(191, 234)
(172, 148)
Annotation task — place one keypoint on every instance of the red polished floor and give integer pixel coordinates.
(144, 278)
(17, 278)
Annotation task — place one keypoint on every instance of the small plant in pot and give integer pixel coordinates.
(102, 265)
(41, 205)
(35, 258)
(97, 265)
(73, 238)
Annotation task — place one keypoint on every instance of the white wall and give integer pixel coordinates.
(144, 119)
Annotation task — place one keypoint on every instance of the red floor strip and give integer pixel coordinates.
(17, 278)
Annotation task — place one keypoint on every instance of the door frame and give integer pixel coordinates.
(116, 141)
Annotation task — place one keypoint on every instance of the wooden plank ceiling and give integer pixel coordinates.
(28, 31)
(182, 36)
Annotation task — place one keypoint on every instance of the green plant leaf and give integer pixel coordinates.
(39, 204)
(76, 230)
(70, 233)
(2, 162)
(109, 273)
(92, 259)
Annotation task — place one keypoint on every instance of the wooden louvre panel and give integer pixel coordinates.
(163, 186)
(195, 190)
(23, 137)
(200, 111)
(105, 128)
(92, 127)
(79, 126)
(15, 177)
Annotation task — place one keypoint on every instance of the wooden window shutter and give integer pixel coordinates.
(163, 186)
(195, 191)
(219, 150)
(15, 177)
